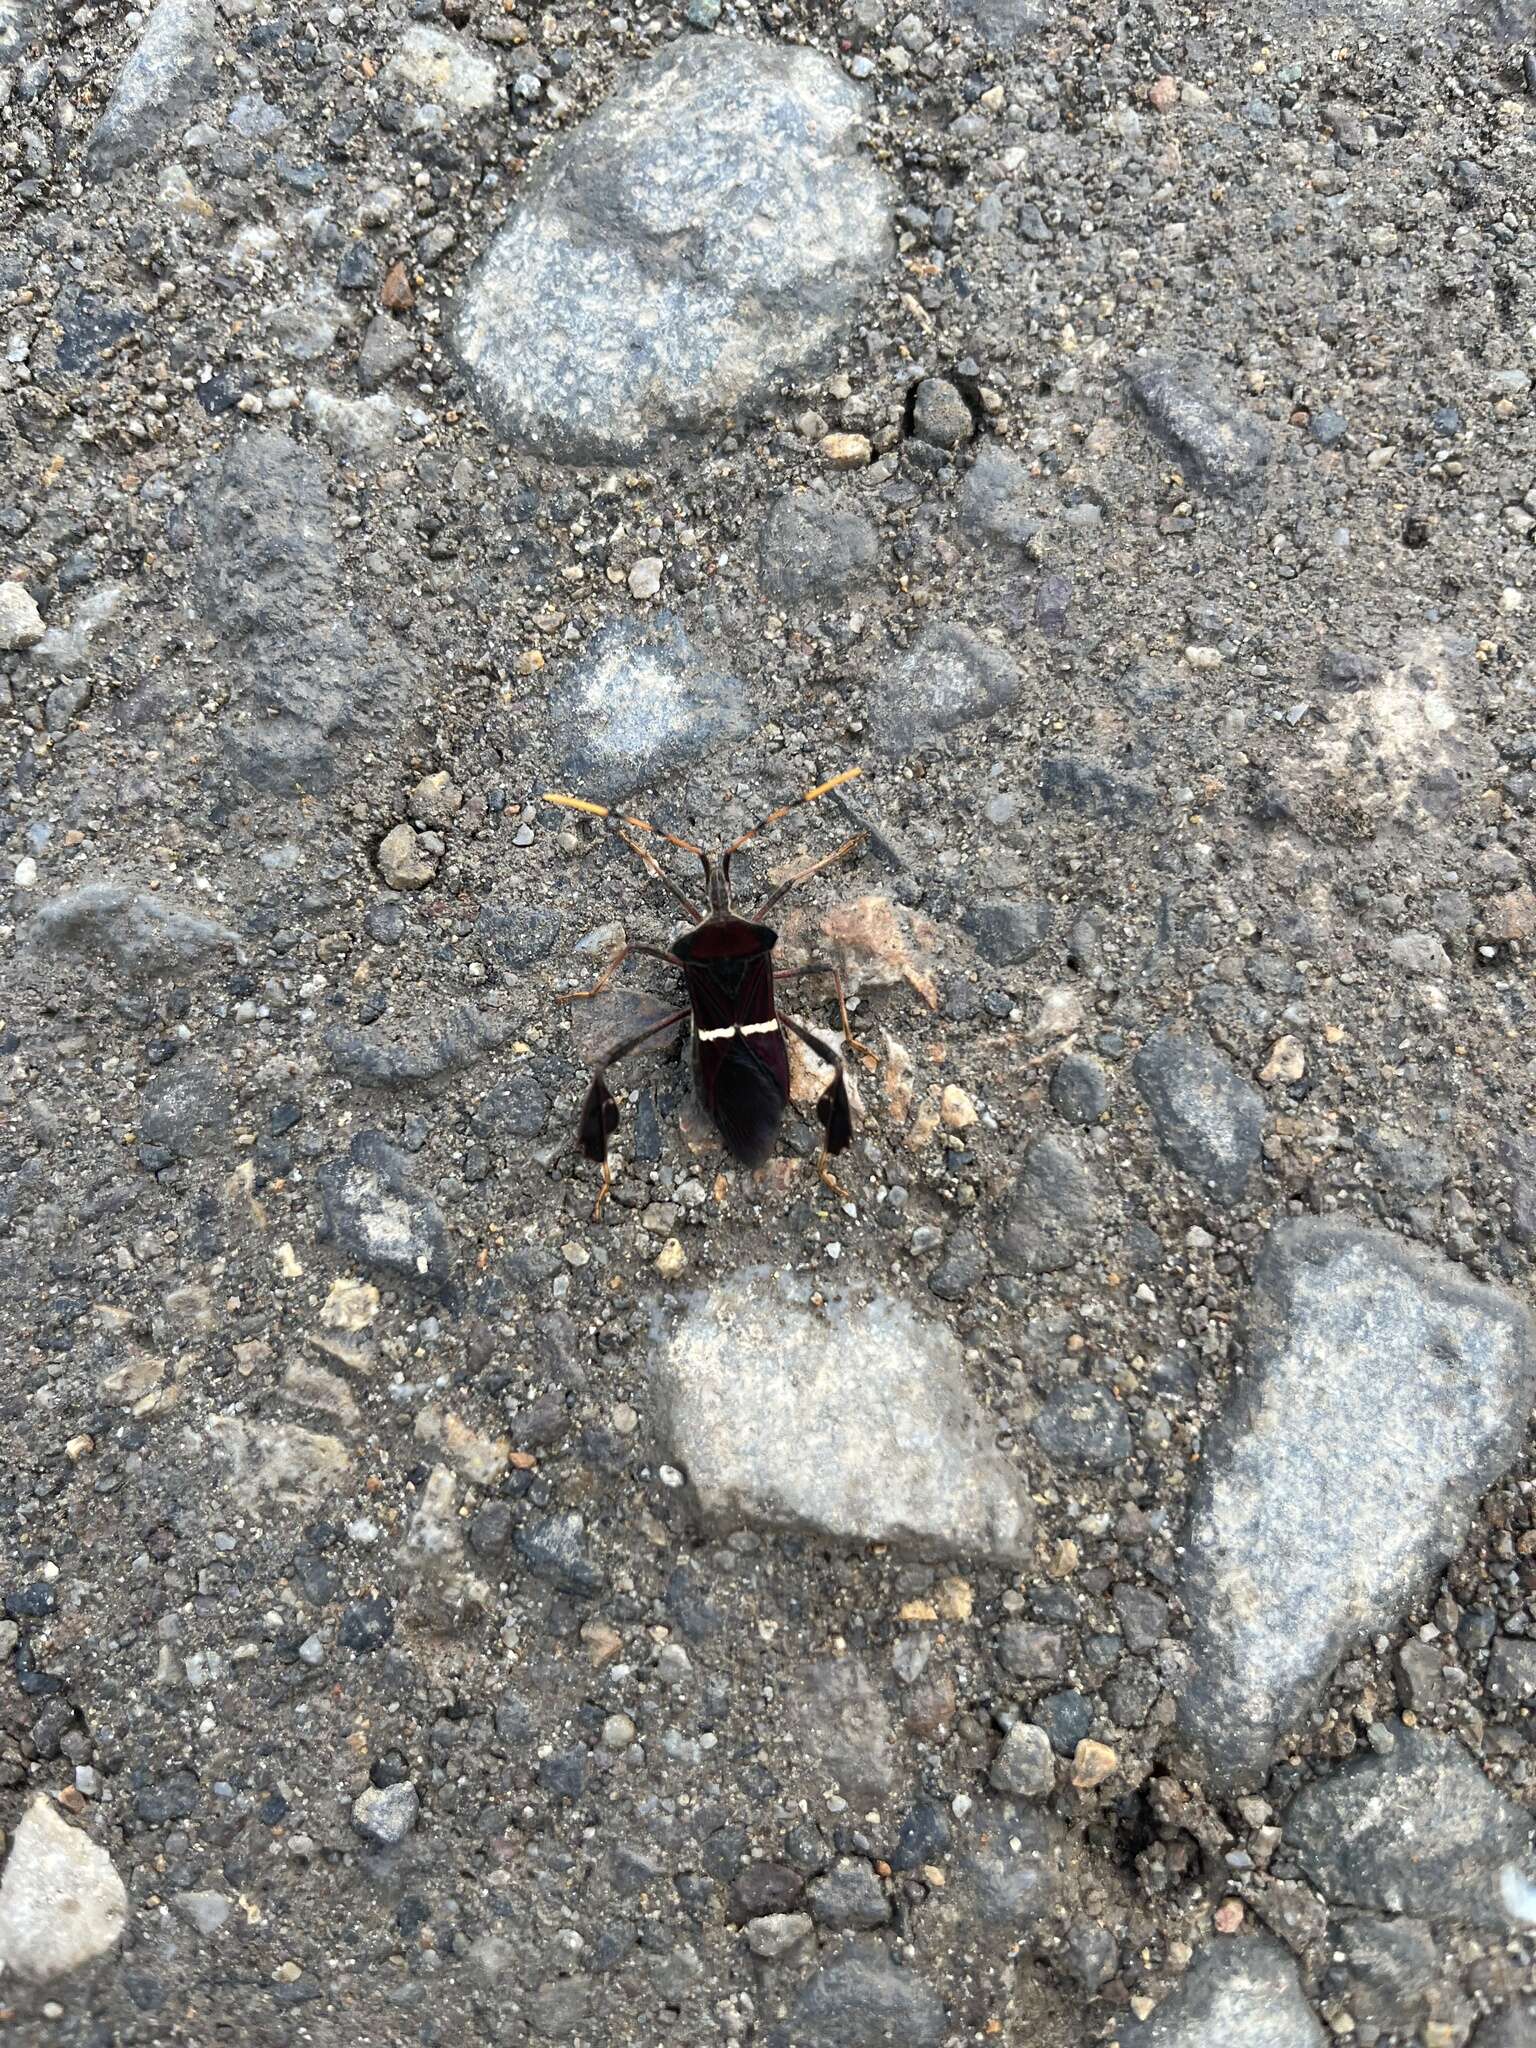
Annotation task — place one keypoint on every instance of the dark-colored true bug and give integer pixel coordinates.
(741, 1057)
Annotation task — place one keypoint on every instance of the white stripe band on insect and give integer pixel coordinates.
(730, 1030)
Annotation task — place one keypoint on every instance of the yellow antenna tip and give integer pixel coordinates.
(848, 775)
(576, 803)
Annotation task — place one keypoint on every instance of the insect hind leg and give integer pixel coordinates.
(833, 1111)
(599, 1117)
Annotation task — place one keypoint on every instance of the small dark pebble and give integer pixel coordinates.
(366, 1625)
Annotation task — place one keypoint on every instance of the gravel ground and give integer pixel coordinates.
(1074, 1581)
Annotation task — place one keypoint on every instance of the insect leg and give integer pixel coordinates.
(577, 995)
(838, 853)
(599, 1117)
(832, 1110)
(826, 967)
(655, 869)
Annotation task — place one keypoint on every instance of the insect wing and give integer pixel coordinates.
(745, 1085)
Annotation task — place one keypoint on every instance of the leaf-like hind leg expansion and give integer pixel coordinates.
(599, 1117)
(833, 1111)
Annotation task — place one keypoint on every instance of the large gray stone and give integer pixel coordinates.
(1208, 1118)
(1419, 1830)
(1514, 2027)
(132, 930)
(1235, 1994)
(854, 1421)
(378, 1214)
(641, 703)
(169, 73)
(307, 685)
(862, 2000)
(1053, 1210)
(707, 231)
(1382, 1393)
(950, 677)
(1220, 446)
(62, 1903)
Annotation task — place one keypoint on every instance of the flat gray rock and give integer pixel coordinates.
(843, 1729)
(949, 677)
(169, 73)
(710, 229)
(854, 1421)
(277, 1464)
(862, 2000)
(1052, 1212)
(443, 71)
(62, 1903)
(1219, 445)
(1419, 1831)
(997, 501)
(1382, 1393)
(1235, 1994)
(443, 1046)
(1392, 1963)
(306, 684)
(641, 703)
(814, 545)
(136, 932)
(1209, 1119)
(378, 1214)
(1003, 23)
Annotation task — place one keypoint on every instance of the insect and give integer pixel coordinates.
(741, 1056)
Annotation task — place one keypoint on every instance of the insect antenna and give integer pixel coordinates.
(581, 803)
(643, 854)
(783, 811)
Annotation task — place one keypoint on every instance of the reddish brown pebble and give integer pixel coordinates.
(1229, 1916)
(1163, 93)
(396, 295)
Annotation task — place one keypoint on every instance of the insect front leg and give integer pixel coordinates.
(579, 995)
(833, 1111)
(838, 853)
(599, 1117)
